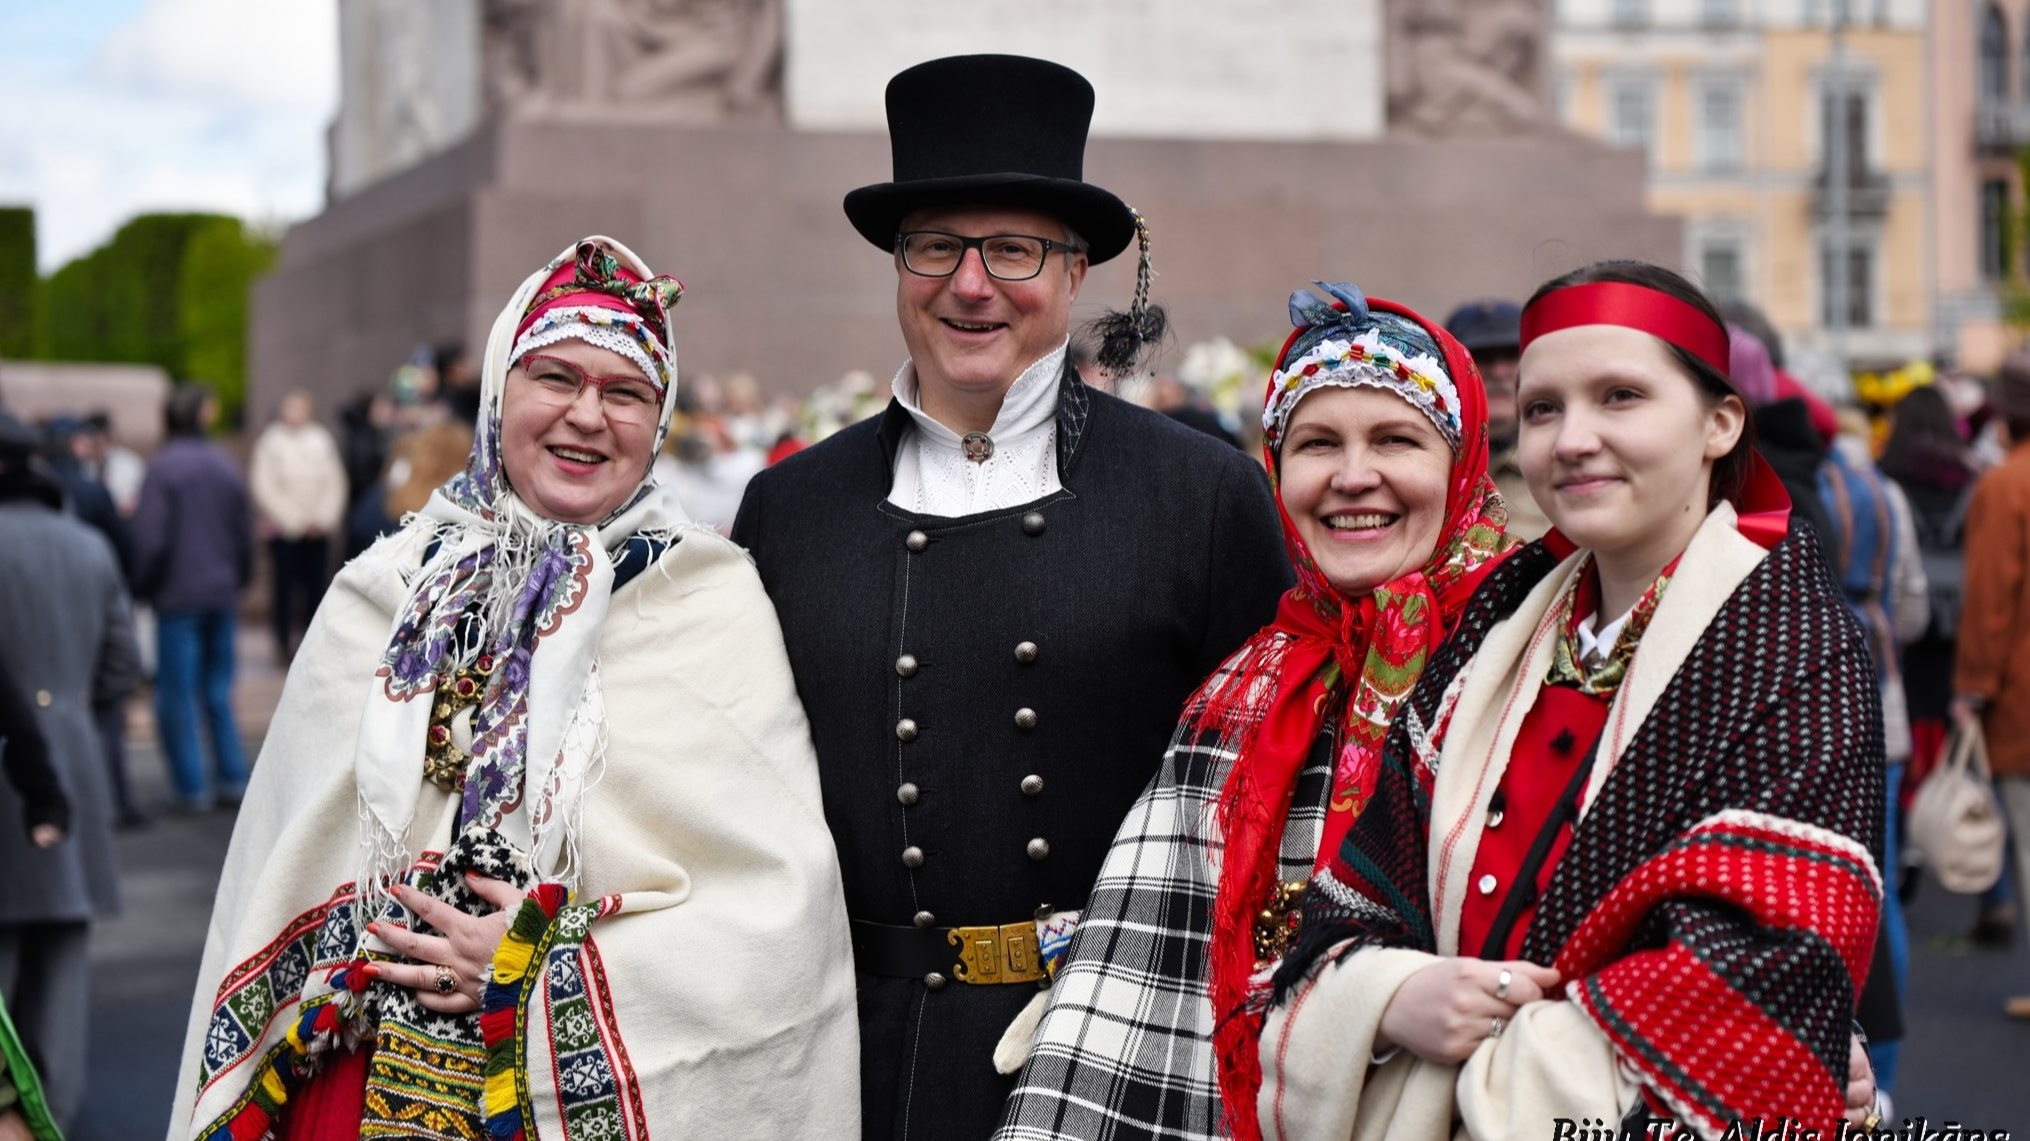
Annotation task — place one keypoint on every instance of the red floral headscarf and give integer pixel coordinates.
(1329, 657)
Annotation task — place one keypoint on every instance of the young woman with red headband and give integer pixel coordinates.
(1617, 863)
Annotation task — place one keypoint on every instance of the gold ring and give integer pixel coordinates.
(1501, 983)
(447, 979)
(1874, 1119)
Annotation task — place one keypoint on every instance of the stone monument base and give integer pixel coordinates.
(781, 286)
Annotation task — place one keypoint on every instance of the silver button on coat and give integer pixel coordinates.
(1032, 785)
(905, 730)
(934, 981)
(1025, 718)
(907, 794)
(1487, 884)
(1025, 652)
(916, 541)
(1039, 848)
(925, 919)
(912, 857)
(906, 665)
(1032, 523)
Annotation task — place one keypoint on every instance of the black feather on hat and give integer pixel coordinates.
(991, 130)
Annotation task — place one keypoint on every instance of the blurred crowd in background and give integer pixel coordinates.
(194, 528)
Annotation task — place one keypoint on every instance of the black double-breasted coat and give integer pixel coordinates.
(989, 693)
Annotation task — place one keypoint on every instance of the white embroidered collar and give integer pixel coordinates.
(1030, 402)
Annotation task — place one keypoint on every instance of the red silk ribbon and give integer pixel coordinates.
(1630, 306)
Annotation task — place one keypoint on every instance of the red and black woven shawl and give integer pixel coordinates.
(1716, 909)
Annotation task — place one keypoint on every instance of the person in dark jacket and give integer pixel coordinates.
(66, 646)
(67, 443)
(193, 554)
(63, 437)
(997, 595)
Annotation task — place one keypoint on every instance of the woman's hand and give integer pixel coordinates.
(13, 1128)
(1445, 1011)
(465, 949)
(1860, 1085)
(46, 835)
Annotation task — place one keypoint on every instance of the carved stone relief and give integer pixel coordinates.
(691, 61)
(1467, 67)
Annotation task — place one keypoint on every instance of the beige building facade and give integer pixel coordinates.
(1980, 54)
(1733, 102)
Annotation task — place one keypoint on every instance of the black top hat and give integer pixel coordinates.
(991, 130)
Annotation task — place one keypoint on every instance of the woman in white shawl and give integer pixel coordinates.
(534, 847)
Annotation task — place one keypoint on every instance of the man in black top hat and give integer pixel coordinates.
(1492, 332)
(997, 595)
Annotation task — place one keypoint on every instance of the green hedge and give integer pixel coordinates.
(17, 281)
(219, 269)
(169, 290)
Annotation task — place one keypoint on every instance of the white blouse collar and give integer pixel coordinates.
(1029, 403)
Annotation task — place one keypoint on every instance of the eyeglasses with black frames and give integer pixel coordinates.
(1008, 257)
(624, 397)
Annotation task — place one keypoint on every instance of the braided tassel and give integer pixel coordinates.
(1124, 337)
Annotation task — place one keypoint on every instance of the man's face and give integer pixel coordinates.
(972, 333)
(1498, 372)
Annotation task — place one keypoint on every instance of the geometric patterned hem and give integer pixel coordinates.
(289, 1063)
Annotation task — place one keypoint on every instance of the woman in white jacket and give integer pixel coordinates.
(298, 484)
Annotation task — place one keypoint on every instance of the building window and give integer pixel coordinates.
(1629, 13)
(1629, 115)
(1854, 123)
(1860, 271)
(1995, 229)
(1718, 13)
(1720, 128)
(1993, 75)
(1720, 265)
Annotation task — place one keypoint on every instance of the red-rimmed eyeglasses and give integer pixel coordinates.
(624, 396)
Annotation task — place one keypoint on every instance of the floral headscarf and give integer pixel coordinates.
(523, 595)
(1328, 657)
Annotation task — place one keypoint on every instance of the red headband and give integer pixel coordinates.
(1637, 307)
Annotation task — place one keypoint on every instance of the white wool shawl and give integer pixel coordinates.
(727, 982)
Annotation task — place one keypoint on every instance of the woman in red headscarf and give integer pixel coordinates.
(1375, 433)
(1617, 861)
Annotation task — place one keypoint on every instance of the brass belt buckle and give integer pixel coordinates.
(991, 956)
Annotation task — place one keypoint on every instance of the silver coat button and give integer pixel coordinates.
(1487, 884)
(1032, 523)
(934, 981)
(1039, 848)
(1032, 785)
(907, 794)
(1025, 652)
(912, 857)
(1025, 718)
(916, 541)
(905, 730)
(1044, 911)
(925, 919)
(906, 665)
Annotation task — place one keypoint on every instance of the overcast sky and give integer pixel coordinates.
(111, 108)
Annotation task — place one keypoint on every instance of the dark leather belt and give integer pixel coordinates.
(981, 956)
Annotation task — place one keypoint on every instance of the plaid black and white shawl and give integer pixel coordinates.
(1125, 1049)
